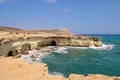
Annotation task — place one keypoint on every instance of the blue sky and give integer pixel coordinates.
(79, 16)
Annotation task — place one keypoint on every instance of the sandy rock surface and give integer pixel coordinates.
(18, 69)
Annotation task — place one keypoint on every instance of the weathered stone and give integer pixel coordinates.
(25, 48)
(18, 56)
(33, 56)
(36, 42)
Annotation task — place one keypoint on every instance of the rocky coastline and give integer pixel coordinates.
(13, 45)
(18, 69)
(21, 44)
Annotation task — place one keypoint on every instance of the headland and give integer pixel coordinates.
(20, 41)
(15, 42)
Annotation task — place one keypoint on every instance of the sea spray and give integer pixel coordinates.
(83, 60)
(34, 56)
(103, 47)
(37, 55)
(62, 50)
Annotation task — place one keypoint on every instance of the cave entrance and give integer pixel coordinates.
(12, 53)
(53, 43)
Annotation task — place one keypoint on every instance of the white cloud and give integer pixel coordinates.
(50, 1)
(2, 1)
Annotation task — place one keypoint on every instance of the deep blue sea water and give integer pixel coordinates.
(87, 61)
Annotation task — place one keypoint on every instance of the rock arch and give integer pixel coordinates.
(47, 43)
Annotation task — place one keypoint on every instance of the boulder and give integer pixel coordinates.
(25, 48)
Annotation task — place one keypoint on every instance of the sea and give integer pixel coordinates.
(86, 60)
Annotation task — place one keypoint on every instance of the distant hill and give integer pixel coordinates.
(7, 30)
(10, 29)
(54, 31)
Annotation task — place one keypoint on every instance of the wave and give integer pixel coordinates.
(103, 47)
(38, 55)
(55, 73)
(34, 56)
(61, 50)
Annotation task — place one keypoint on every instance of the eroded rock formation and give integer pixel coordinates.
(15, 44)
(21, 41)
(22, 45)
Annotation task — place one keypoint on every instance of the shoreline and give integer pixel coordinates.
(14, 44)
(37, 55)
(19, 69)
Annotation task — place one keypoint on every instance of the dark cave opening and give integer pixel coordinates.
(53, 43)
(10, 53)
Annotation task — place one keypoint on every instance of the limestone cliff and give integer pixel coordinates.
(21, 42)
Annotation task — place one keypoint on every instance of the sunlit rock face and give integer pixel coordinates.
(22, 45)
(18, 41)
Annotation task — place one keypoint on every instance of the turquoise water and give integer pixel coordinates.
(87, 61)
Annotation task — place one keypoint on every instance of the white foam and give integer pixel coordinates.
(55, 73)
(81, 47)
(37, 56)
(62, 50)
(26, 57)
(103, 47)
